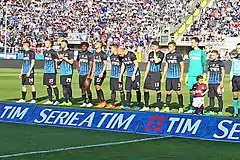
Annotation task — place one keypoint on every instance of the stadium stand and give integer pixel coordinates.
(134, 23)
(217, 22)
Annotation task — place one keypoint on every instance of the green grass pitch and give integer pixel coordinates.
(18, 138)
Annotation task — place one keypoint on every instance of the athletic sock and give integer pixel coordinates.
(56, 92)
(84, 97)
(235, 105)
(89, 95)
(146, 98)
(24, 95)
(70, 93)
(101, 95)
(129, 97)
(34, 94)
(65, 93)
(168, 99)
(113, 97)
(138, 97)
(212, 103)
(122, 95)
(49, 91)
(180, 100)
(159, 99)
(220, 103)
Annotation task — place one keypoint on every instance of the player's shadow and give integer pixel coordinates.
(230, 109)
(174, 105)
(153, 105)
(215, 109)
(39, 99)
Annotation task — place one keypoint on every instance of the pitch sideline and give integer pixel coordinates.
(81, 147)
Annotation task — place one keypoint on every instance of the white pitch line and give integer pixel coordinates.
(80, 147)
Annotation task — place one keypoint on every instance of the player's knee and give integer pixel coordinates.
(158, 91)
(178, 92)
(54, 86)
(145, 90)
(98, 87)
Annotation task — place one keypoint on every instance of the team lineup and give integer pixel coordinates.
(202, 78)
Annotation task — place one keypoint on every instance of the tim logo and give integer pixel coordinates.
(155, 123)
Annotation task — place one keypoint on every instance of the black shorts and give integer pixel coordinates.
(99, 81)
(236, 84)
(132, 85)
(82, 79)
(115, 85)
(66, 79)
(213, 90)
(173, 84)
(28, 80)
(153, 81)
(49, 79)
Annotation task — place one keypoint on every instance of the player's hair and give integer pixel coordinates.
(49, 40)
(172, 42)
(215, 51)
(238, 44)
(156, 43)
(27, 42)
(65, 41)
(196, 39)
(199, 77)
(84, 44)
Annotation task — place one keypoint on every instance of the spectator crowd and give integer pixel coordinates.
(217, 22)
(133, 23)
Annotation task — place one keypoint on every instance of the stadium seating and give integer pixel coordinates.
(133, 23)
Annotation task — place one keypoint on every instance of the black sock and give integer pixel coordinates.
(89, 95)
(65, 93)
(129, 97)
(168, 99)
(159, 99)
(101, 94)
(34, 95)
(146, 98)
(56, 92)
(84, 97)
(24, 95)
(220, 103)
(212, 103)
(70, 93)
(180, 100)
(138, 97)
(122, 95)
(49, 91)
(113, 97)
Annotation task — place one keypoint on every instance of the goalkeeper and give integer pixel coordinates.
(196, 66)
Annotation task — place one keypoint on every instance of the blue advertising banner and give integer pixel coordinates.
(163, 124)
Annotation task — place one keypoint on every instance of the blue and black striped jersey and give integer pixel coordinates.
(173, 60)
(49, 61)
(155, 67)
(65, 67)
(128, 61)
(116, 62)
(84, 60)
(28, 56)
(99, 59)
(215, 69)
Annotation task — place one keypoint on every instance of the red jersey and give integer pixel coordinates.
(199, 89)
